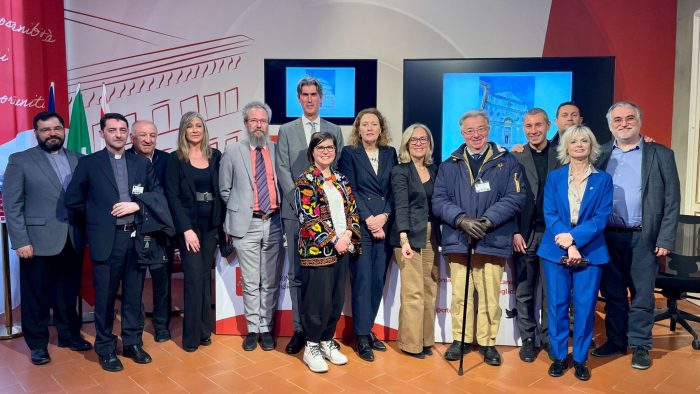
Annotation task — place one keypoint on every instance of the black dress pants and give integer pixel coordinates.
(632, 266)
(121, 267)
(529, 271)
(322, 299)
(162, 299)
(196, 323)
(50, 282)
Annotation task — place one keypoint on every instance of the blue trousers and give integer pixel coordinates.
(585, 282)
(367, 274)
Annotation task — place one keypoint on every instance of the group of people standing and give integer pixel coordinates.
(569, 211)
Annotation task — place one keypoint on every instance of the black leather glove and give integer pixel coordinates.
(487, 223)
(473, 227)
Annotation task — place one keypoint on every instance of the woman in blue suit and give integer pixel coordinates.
(367, 162)
(577, 203)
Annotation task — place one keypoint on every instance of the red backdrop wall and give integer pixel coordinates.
(641, 34)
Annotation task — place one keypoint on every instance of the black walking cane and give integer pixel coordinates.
(460, 371)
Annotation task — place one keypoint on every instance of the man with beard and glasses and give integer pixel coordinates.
(248, 186)
(46, 237)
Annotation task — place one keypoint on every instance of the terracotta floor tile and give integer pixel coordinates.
(394, 385)
(155, 382)
(74, 380)
(194, 382)
(324, 383)
(274, 384)
(12, 389)
(235, 383)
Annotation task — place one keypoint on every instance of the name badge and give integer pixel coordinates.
(482, 186)
(137, 189)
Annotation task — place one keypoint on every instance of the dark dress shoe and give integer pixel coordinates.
(376, 343)
(364, 348)
(40, 356)
(641, 359)
(205, 342)
(111, 363)
(136, 353)
(581, 371)
(428, 350)
(557, 368)
(162, 336)
(452, 353)
(189, 349)
(608, 349)
(297, 343)
(267, 341)
(527, 351)
(420, 355)
(491, 356)
(250, 342)
(76, 344)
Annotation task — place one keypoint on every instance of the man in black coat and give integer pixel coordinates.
(143, 138)
(102, 190)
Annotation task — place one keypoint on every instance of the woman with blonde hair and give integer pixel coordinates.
(577, 203)
(415, 236)
(192, 190)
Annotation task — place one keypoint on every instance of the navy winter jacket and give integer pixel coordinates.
(455, 194)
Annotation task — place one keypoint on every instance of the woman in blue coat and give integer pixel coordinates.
(367, 162)
(577, 203)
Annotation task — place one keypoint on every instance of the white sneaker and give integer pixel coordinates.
(313, 357)
(331, 352)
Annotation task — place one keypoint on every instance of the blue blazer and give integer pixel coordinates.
(588, 234)
(372, 191)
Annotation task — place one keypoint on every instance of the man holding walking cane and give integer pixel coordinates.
(478, 191)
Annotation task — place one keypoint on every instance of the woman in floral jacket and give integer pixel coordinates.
(329, 230)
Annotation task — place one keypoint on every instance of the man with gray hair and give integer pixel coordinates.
(478, 191)
(642, 227)
(253, 222)
(144, 135)
(293, 142)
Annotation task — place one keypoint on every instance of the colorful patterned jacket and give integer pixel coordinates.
(316, 233)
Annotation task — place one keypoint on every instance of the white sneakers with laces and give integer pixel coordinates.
(314, 358)
(331, 352)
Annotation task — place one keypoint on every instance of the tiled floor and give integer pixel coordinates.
(225, 367)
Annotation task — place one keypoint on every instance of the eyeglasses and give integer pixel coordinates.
(629, 119)
(418, 140)
(258, 121)
(47, 129)
(329, 148)
(481, 130)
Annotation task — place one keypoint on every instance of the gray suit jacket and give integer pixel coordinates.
(236, 186)
(292, 161)
(525, 220)
(33, 200)
(661, 195)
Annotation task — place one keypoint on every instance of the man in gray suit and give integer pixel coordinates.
(248, 186)
(43, 234)
(642, 227)
(538, 158)
(292, 144)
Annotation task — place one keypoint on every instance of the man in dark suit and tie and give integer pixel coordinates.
(292, 144)
(248, 186)
(642, 227)
(47, 239)
(538, 158)
(102, 190)
(144, 135)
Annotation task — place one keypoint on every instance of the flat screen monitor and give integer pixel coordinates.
(438, 92)
(348, 87)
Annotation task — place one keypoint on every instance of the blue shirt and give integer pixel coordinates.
(625, 167)
(59, 162)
